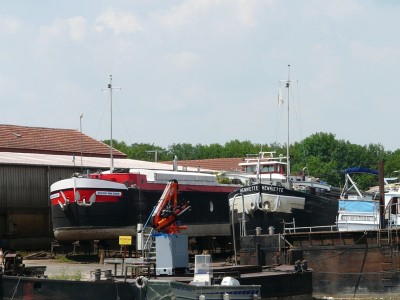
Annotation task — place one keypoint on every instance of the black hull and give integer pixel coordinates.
(209, 215)
(21, 288)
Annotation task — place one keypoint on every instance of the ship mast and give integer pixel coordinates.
(288, 123)
(110, 88)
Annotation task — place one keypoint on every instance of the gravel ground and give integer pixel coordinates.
(57, 268)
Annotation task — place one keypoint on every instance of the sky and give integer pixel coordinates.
(203, 71)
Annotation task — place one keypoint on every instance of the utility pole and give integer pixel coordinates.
(155, 153)
(80, 128)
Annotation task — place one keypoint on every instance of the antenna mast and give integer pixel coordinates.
(288, 123)
(80, 127)
(110, 88)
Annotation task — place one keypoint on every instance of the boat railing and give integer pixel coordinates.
(263, 156)
(218, 276)
(291, 225)
(311, 229)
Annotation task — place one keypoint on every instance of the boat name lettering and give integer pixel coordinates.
(108, 193)
(248, 189)
(270, 188)
(54, 196)
(264, 188)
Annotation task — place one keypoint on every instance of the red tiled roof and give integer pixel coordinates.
(217, 164)
(15, 138)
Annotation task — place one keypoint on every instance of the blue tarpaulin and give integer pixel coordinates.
(358, 205)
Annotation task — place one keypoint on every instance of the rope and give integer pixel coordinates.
(361, 271)
(116, 288)
(15, 289)
(345, 250)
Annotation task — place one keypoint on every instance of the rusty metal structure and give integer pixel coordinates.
(347, 264)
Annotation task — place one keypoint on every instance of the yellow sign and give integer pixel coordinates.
(125, 240)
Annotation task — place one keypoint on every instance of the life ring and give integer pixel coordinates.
(141, 282)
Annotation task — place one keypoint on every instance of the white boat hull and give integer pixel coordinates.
(184, 291)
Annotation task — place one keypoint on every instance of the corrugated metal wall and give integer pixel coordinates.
(22, 188)
(24, 200)
(25, 188)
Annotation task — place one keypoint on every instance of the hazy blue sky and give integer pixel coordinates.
(202, 71)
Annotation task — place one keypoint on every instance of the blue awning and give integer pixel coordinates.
(360, 170)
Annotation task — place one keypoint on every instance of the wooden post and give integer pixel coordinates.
(381, 195)
(102, 256)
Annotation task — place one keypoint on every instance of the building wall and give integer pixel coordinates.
(25, 202)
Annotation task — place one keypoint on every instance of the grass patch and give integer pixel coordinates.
(63, 259)
(64, 275)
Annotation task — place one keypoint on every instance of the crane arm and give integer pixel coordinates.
(165, 215)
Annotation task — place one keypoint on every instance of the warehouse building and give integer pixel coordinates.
(31, 159)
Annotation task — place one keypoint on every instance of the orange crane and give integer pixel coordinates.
(165, 215)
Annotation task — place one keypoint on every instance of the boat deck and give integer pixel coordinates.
(275, 281)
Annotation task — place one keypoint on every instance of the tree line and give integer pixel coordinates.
(321, 155)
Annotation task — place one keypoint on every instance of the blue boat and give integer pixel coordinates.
(357, 210)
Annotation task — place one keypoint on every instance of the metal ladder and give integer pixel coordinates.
(149, 248)
(388, 251)
(291, 228)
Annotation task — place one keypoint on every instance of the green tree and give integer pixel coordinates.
(392, 164)
(237, 148)
(320, 155)
(314, 156)
(183, 151)
(140, 151)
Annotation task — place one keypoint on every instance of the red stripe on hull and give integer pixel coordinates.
(100, 196)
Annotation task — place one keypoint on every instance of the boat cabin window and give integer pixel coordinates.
(250, 169)
(276, 168)
(267, 169)
(393, 205)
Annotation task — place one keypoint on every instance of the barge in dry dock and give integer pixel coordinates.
(104, 206)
